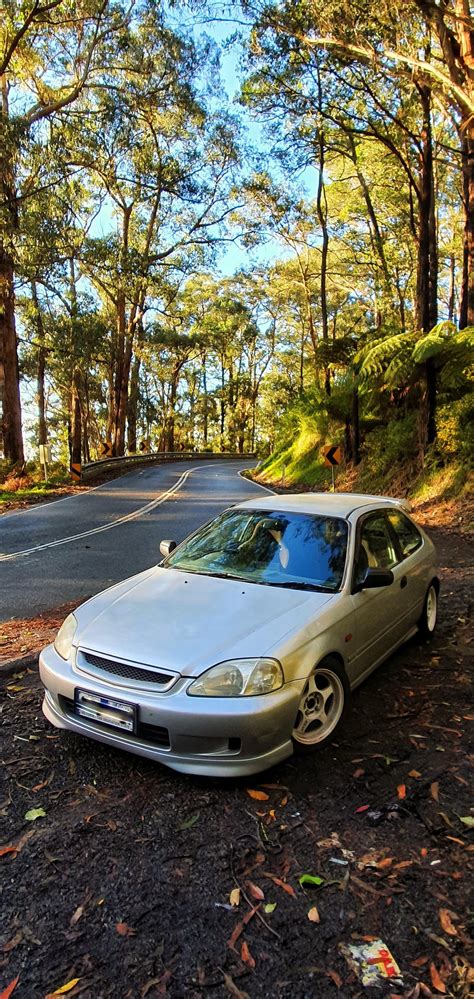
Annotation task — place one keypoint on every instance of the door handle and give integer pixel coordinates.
(403, 582)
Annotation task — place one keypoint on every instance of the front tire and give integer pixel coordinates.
(323, 705)
(429, 616)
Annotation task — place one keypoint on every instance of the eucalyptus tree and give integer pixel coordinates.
(165, 166)
(425, 45)
(48, 52)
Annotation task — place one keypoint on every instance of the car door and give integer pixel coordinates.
(378, 614)
(413, 566)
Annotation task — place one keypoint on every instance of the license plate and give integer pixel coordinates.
(108, 711)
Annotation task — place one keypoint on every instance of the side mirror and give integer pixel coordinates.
(375, 578)
(166, 547)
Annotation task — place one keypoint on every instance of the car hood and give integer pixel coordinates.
(187, 622)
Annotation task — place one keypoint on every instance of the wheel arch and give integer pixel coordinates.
(332, 655)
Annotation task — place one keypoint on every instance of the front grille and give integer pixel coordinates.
(126, 670)
(155, 734)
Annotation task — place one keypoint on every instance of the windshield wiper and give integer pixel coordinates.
(195, 571)
(293, 584)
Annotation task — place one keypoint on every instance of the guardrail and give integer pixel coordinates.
(93, 468)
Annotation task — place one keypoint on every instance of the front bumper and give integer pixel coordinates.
(226, 737)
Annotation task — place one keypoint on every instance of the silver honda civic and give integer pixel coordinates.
(244, 643)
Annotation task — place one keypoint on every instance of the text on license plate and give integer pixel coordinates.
(107, 710)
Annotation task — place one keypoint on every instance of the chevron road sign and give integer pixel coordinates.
(106, 450)
(75, 471)
(332, 455)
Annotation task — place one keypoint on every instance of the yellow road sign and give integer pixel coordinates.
(332, 455)
(106, 449)
(75, 470)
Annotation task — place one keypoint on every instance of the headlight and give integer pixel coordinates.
(239, 677)
(64, 637)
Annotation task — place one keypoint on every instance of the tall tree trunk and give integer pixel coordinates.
(205, 415)
(452, 288)
(85, 415)
(427, 272)
(171, 413)
(11, 429)
(132, 411)
(40, 368)
(322, 213)
(223, 405)
(123, 347)
(466, 311)
(76, 423)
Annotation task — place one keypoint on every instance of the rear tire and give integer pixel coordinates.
(429, 616)
(323, 706)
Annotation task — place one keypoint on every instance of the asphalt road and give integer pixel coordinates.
(72, 548)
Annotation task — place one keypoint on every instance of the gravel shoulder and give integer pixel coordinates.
(124, 882)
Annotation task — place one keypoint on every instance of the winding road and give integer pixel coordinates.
(71, 548)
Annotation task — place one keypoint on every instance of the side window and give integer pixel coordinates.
(376, 549)
(408, 536)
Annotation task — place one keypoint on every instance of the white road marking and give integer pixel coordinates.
(259, 484)
(105, 527)
(115, 523)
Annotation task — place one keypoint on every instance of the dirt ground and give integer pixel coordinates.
(124, 882)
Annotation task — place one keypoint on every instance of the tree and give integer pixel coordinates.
(49, 34)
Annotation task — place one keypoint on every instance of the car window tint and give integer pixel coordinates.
(376, 548)
(268, 547)
(409, 538)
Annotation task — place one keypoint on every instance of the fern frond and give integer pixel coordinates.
(383, 353)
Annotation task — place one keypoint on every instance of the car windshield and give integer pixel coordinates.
(293, 550)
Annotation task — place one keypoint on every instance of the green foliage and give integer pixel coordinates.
(386, 450)
(455, 429)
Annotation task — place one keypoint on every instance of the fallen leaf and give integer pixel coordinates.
(447, 923)
(189, 822)
(239, 927)
(419, 961)
(414, 773)
(151, 983)
(14, 942)
(246, 955)
(386, 862)
(434, 789)
(125, 930)
(269, 907)
(281, 884)
(258, 795)
(236, 932)
(311, 879)
(9, 989)
(401, 791)
(232, 987)
(359, 772)
(255, 891)
(7, 849)
(234, 897)
(39, 787)
(333, 975)
(437, 982)
(313, 915)
(66, 988)
(362, 808)
(34, 813)
(77, 915)
(468, 821)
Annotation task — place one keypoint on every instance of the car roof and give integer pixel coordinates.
(331, 504)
